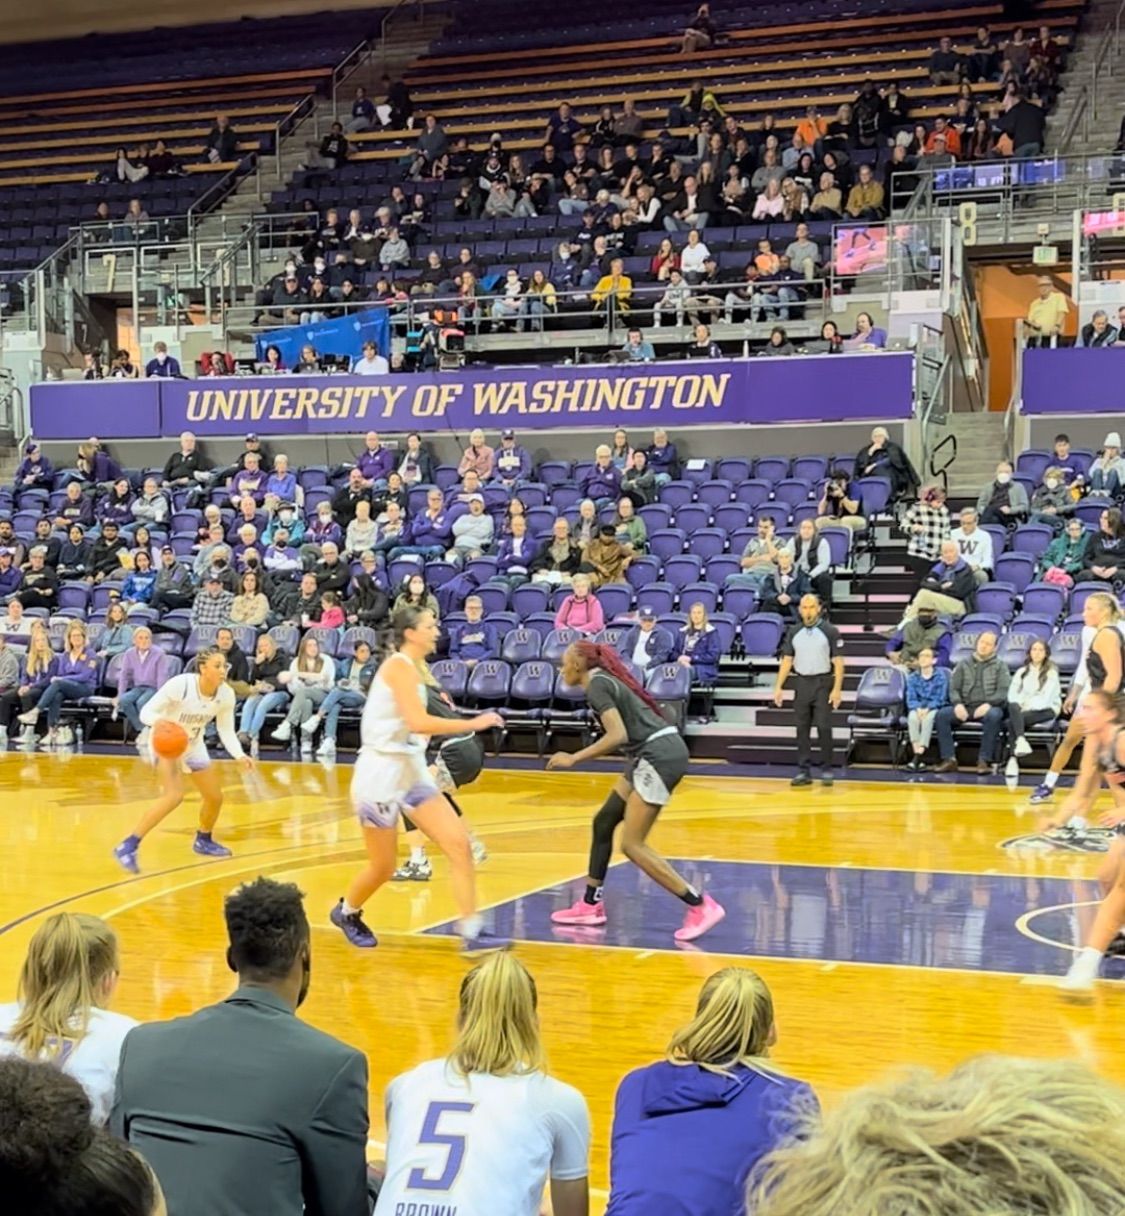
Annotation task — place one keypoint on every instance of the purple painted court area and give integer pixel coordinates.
(829, 913)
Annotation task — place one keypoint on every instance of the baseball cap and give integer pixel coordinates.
(508, 434)
(646, 614)
(167, 549)
(252, 437)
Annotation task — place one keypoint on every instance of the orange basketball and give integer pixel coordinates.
(169, 740)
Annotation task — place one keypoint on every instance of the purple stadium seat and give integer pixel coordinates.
(556, 642)
(489, 682)
(778, 512)
(880, 702)
(563, 498)
(352, 637)
(674, 493)
(740, 602)
(703, 593)
(666, 543)
(521, 646)
(1080, 593)
(104, 593)
(446, 476)
(979, 622)
(792, 491)
(718, 568)
(1015, 568)
(761, 634)
(706, 543)
(1033, 463)
(874, 494)
(691, 517)
(697, 471)
(554, 472)
(733, 468)
(482, 568)
(731, 516)
(1032, 538)
(1040, 627)
(642, 570)
(656, 515)
(615, 599)
(726, 626)
(494, 597)
(684, 569)
(311, 476)
(437, 573)
(170, 643)
(753, 492)
(327, 639)
(540, 520)
(839, 543)
(402, 568)
(74, 595)
(533, 494)
(1045, 599)
(999, 536)
(996, 597)
(533, 683)
(452, 675)
(715, 493)
(1014, 645)
(964, 643)
(658, 596)
(1066, 650)
(670, 685)
(809, 468)
(611, 635)
(530, 598)
(771, 468)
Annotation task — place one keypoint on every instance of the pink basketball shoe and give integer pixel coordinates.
(581, 913)
(698, 920)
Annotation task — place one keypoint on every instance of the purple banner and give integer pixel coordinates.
(110, 409)
(1074, 380)
(806, 389)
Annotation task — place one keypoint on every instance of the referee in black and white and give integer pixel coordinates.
(813, 652)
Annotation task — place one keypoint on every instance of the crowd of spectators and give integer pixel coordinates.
(236, 550)
(242, 1106)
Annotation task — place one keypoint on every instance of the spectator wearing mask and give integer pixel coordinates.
(1004, 501)
(927, 691)
(1051, 501)
(1107, 473)
(978, 692)
(162, 366)
(923, 631)
(975, 545)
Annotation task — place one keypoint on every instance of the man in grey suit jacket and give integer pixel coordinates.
(242, 1109)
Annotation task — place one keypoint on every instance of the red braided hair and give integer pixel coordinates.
(595, 655)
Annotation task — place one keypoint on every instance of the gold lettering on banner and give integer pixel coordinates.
(306, 400)
(330, 405)
(391, 394)
(425, 404)
(197, 406)
(282, 405)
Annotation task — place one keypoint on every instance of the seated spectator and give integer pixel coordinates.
(647, 644)
(478, 457)
(698, 646)
(629, 527)
(923, 630)
(363, 117)
(34, 680)
(777, 292)
(35, 471)
(73, 678)
(978, 692)
(559, 558)
(368, 604)
(1105, 554)
(222, 142)
(1066, 554)
(882, 457)
(1024, 123)
(638, 480)
(415, 594)
(812, 556)
(865, 199)
(675, 301)
(1004, 501)
(431, 146)
(512, 462)
(472, 532)
(1051, 501)
(11, 576)
(162, 366)
(143, 669)
(66, 985)
(74, 561)
(331, 611)
(781, 591)
(40, 585)
(946, 134)
(602, 482)
(636, 348)
(662, 457)
(927, 691)
(294, 1139)
(364, 533)
(76, 508)
(476, 638)
(173, 586)
(693, 256)
(353, 678)
(1034, 696)
(249, 482)
(1097, 331)
(586, 525)
(778, 344)
(839, 506)
(867, 335)
(949, 588)
(975, 546)
(703, 346)
(613, 292)
(946, 64)
(117, 635)
(1107, 473)
(979, 143)
(250, 605)
(937, 157)
(1046, 314)
(429, 532)
(331, 573)
(140, 582)
(688, 1131)
(212, 606)
(827, 203)
(758, 561)
(311, 678)
(605, 558)
(580, 609)
(803, 253)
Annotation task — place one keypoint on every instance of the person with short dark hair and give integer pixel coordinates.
(813, 651)
(241, 1107)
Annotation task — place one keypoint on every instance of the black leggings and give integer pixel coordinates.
(1019, 720)
(11, 703)
(606, 822)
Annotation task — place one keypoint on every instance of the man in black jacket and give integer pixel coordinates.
(331, 573)
(950, 588)
(344, 503)
(105, 559)
(222, 142)
(182, 467)
(882, 457)
(1024, 124)
(40, 583)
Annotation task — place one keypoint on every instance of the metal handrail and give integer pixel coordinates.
(359, 55)
(1110, 41)
(344, 69)
(1079, 116)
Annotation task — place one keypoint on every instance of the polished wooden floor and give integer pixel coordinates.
(604, 1010)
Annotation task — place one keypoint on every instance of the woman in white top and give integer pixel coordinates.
(391, 779)
(485, 1127)
(312, 676)
(372, 363)
(363, 531)
(62, 1014)
(1034, 695)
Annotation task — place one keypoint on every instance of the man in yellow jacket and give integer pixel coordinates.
(613, 291)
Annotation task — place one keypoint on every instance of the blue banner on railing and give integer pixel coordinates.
(1074, 380)
(335, 336)
(728, 392)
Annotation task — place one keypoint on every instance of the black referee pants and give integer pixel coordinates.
(810, 706)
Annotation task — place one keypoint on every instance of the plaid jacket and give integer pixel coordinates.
(935, 529)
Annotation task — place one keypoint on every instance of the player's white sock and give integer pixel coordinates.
(1050, 780)
(471, 926)
(418, 854)
(1086, 964)
(348, 909)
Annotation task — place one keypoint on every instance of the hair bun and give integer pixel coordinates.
(45, 1126)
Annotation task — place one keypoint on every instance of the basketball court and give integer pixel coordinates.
(887, 918)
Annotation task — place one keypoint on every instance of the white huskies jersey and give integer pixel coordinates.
(381, 728)
(179, 700)
(481, 1145)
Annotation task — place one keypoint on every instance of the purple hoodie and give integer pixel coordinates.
(685, 1139)
(377, 465)
(148, 670)
(82, 670)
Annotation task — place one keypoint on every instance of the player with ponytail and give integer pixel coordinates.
(657, 760)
